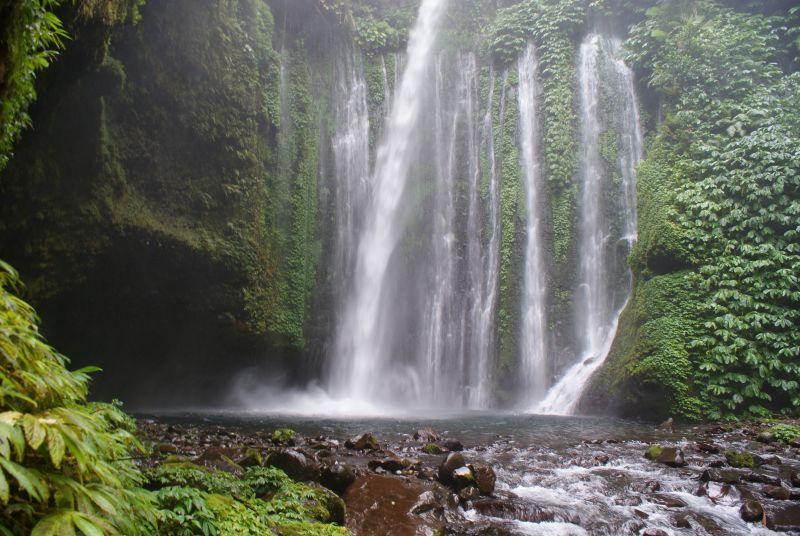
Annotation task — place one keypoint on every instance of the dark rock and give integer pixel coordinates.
(782, 516)
(463, 477)
(295, 464)
(453, 445)
(393, 464)
(383, 505)
(651, 486)
(726, 476)
(427, 435)
(469, 493)
(250, 458)
(219, 459)
(602, 459)
(165, 448)
(654, 532)
(795, 479)
(337, 477)
(751, 511)
(485, 478)
(453, 461)
(765, 437)
(779, 493)
(669, 500)
(667, 426)
(671, 456)
(702, 490)
(513, 509)
(428, 473)
(709, 448)
(696, 520)
(427, 501)
(364, 441)
(640, 514)
(761, 478)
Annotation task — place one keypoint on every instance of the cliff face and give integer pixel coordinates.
(163, 210)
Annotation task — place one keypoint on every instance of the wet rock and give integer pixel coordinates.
(667, 426)
(669, 500)
(782, 516)
(671, 456)
(462, 477)
(364, 441)
(250, 458)
(765, 437)
(708, 448)
(761, 478)
(779, 493)
(220, 460)
(165, 448)
(427, 501)
(485, 478)
(751, 511)
(696, 521)
(702, 490)
(640, 514)
(453, 461)
(295, 464)
(654, 532)
(650, 486)
(453, 445)
(513, 509)
(432, 448)
(393, 464)
(602, 459)
(428, 473)
(469, 493)
(379, 504)
(795, 479)
(427, 435)
(726, 476)
(337, 477)
(741, 459)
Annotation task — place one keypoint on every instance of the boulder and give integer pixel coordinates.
(453, 445)
(393, 464)
(795, 479)
(337, 477)
(485, 478)
(751, 511)
(365, 441)
(669, 500)
(295, 464)
(654, 532)
(765, 437)
(220, 460)
(602, 459)
(453, 461)
(427, 435)
(650, 486)
(671, 456)
(708, 448)
(779, 493)
(512, 508)
(428, 501)
(432, 448)
(741, 459)
(250, 458)
(469, 493)
(462, 477)
(783, 516)
(726, 476)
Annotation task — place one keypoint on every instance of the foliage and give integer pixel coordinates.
(65, 464)
(719, 198)
(31, 34)
(196, 501)
(283, 436)
(740, 458)
(785, 433)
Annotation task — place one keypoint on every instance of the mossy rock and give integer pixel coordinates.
(283, 436)
(741, 459)
(785, 433)
(654, 452)
(432, 448)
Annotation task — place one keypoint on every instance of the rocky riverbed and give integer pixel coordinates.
(510, 475)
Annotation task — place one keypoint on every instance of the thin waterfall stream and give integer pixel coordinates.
(605, 281)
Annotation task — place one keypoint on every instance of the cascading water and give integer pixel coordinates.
(350, 146)
(606, 232)
(533, 336)
(361, 359)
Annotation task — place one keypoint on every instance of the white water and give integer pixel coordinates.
(601, 294)
(533, 343)
(361, 355)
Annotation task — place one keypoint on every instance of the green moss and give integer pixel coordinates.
(432, 448)
(741, 459)
(785, 433)
(653, 453)
(283, 436)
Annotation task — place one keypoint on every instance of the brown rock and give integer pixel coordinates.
(779, 493)
(364, 441)
(485, 478)
(751, 511)
(295, 464)
(427, 435)
(453, 461)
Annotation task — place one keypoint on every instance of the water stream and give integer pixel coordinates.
(607, 213)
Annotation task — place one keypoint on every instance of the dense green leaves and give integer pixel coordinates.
(65, 464)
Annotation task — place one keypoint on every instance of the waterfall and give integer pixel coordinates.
(533, 336)
(607, 227)
(362, 367)
(350, 146)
